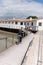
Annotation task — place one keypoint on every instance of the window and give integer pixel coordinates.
(24, 23)
(32, 23)
(27, 23)
(5, 22)
(9, 22)
(12, 22)
(40, 24)
(16, 22)
(21, 23)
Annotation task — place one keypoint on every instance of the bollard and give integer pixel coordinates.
(6, 42)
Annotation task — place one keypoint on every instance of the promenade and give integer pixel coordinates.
(35, 53)
(15, 54)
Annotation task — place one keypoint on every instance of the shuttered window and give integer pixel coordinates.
(32, 23)
(21, 23)
(40, 24)
(16, 23)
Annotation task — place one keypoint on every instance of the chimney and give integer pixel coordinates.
(30, 18)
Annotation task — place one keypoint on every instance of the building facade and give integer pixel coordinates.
(14, 23)
(36, 24)
(18, 23)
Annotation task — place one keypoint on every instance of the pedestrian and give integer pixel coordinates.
(20, 35)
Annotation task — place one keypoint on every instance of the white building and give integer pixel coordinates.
(18, 23)
(40, 24)
(15, 23)
(36, 24)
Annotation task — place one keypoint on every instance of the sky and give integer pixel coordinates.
(21, 8)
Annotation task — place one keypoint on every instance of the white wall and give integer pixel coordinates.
(12, 25)
(34, 23)
(34, 26)
(40, 27)
(5, 24)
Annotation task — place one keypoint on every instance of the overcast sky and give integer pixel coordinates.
(21, 8)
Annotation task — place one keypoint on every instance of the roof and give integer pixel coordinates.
(15, 19)
(19, 20)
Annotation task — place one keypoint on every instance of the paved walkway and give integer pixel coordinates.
(40, 54)
(32, 55)
(14, 55)
(35, 52)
